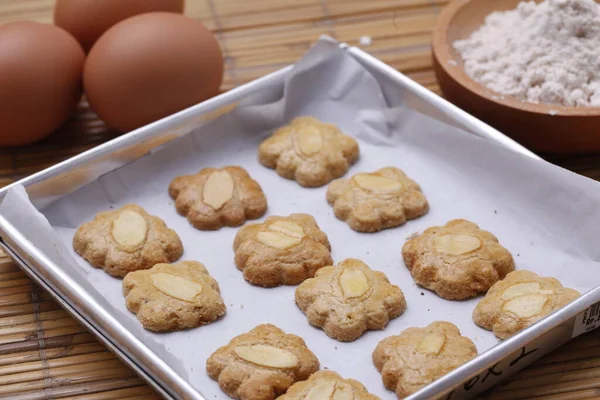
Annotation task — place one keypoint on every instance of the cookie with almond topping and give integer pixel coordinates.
(217, 197)
(171, 297)
(518, 301)
(308, 151)
(458, 260)
(370, 202)
(328, 385)
(126, 240)
(419, 356)
(261, 364)
(349, 299)
(281, 250)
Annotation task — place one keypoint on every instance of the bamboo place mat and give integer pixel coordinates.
(45, 354)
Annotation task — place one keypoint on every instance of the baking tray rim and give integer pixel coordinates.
(49, 275)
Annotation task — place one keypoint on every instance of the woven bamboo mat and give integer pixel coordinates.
(45, 354)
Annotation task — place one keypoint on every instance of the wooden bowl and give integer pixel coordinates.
(542, 128)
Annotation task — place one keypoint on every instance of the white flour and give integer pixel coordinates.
(541, 53)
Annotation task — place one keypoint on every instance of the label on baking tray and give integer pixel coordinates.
(587, 320)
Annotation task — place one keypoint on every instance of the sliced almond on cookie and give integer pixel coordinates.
(526, 306)
(309, 141)
(218, 189)
(343, 393)
(376, 183)
(524, 288)
(432, 343)
(176, 286)
(456, 244)
(281, 235)
(129, 230)
(321, 391)
(267, 356)
(277, 240)
(288, 228)
(354, 283)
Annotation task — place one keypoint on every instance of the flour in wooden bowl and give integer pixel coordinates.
(541, 53)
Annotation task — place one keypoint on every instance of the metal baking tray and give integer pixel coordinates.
(45, 187)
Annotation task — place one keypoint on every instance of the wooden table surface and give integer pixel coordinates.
(45, 354)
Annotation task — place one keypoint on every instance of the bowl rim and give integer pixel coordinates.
(442, 54)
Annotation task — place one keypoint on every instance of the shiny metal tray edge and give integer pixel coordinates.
(102, 337)
(468, 380)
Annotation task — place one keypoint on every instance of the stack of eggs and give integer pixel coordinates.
(144, 61)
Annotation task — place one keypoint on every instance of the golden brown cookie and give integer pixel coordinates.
(370, 202)
(171, 297)
(261, 364)
(309, 151)
(520, 300)
(349, 299)
(419, 356)
(457, 260)
(328, 385)
(281, 250)
(126, 240)
(217, 197)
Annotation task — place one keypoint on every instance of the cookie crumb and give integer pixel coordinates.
(422, 294)
(495, 212)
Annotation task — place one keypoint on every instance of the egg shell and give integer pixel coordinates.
(87, 20)
(150, 66)
(40, 80)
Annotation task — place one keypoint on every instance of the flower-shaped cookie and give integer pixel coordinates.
(520, 300)
(261, 364)
(328, 385)
(308, 151)
(370, 202)
(171, 297)
(349, 299)
(281, 250)
(457, 260)
(125, 240)
(419, 356)
(214, 198)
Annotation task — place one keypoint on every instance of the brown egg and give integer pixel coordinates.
(40, 80)
(150, 66)
(87, 20)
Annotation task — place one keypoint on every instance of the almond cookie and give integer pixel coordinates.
(370, 202)
(171, 297)
(419, 356)
(457, 260)
(328, 385)
(281, 250)
(520, 300)
(126, 240)
(214, 198)
(309, 151)
(349, 299)
(261, 364)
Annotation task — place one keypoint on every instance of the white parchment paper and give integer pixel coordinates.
(547, 217)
